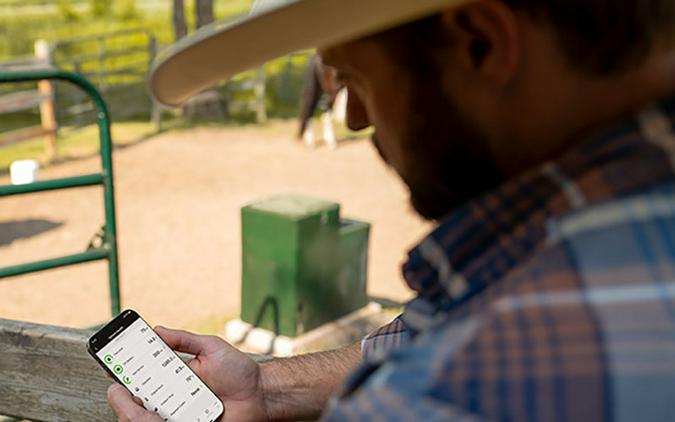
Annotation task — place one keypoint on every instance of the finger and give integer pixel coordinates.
(193, 364)
(137, 400)
(124, 406)
(183, 341)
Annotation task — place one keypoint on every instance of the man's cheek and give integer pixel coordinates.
(376, 143)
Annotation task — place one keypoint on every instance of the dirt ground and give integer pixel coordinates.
(179, 196)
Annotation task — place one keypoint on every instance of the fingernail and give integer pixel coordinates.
(113, 388)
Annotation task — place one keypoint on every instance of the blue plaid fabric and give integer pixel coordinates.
(551, 298)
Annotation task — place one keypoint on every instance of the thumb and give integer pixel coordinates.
(185, 342)
(125, 407)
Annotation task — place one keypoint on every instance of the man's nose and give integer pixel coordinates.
(357, 116)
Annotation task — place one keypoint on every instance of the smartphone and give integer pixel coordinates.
(136, 357)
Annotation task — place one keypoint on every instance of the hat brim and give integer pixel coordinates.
(220, 51)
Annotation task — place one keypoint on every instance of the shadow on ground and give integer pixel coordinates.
(23, 229)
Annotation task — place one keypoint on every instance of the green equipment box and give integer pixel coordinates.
(303, 265)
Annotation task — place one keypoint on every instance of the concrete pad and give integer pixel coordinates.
(340, 333)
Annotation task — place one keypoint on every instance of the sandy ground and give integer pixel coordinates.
(179, 196)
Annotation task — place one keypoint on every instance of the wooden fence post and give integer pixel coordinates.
(204, 10)
(260, 106)
(179, 24)
(46, 89)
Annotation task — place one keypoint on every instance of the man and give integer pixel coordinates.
(539, 134)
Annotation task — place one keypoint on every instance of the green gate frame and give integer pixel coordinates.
(107, 250)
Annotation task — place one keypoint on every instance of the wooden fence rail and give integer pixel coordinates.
(47, 375)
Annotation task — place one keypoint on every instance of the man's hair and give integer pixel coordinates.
(604, 36)
(600, 37)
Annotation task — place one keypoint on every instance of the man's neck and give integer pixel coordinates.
(569, 111)
(605, 100)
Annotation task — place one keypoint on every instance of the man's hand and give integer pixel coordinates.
(229, 373)
(281, 389)
(127, 408)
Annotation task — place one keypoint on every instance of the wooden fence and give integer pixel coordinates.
(40, 96)
(116, 63)
(47, 375)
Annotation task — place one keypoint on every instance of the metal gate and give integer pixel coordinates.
(104, 245)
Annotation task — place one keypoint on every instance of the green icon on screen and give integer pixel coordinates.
(108, 359)
(118, 369)
(126, 380)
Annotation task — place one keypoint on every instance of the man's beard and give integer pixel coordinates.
(448, 161)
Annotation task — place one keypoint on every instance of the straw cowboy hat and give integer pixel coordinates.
(272, 29)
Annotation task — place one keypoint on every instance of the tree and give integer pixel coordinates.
(204, 12)
(179, 24)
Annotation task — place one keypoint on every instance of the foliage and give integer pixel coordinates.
(100, 8)
(72, 144)
(67, 12)
(285, 80)
(126, 10)
(24, 21)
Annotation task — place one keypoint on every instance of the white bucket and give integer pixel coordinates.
(23, 172)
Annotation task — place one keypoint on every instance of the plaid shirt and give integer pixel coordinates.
(551, 298)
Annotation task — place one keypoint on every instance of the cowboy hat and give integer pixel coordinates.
(272, 29)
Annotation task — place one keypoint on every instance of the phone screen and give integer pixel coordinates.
(138, 358)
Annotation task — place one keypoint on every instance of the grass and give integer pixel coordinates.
(74, 143)
(84, 142)
(213, 325)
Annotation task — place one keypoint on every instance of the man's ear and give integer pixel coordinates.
(485, 36)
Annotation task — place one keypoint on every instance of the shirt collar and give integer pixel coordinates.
(479, 243)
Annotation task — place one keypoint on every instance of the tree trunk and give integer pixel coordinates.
(204, 12)
(179, 24)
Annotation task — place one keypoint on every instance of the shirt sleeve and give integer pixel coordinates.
(497, 365)
(390, 337)
(395, 405)
(402, 387)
